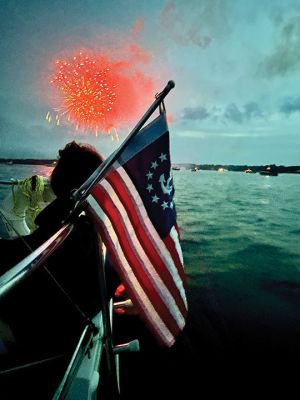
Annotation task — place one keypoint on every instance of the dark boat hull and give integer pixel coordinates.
(270, 173)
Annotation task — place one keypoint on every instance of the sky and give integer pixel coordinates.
(235, 64)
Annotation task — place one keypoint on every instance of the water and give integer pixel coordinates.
(240, 240)
(18, 171)
(240, 234)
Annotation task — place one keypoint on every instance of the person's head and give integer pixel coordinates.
(76, 162)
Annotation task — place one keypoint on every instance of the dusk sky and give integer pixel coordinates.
(235, 63)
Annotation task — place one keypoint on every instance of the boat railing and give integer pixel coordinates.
(81, 378)
(34, 260)
(96, 338)
(12, 182)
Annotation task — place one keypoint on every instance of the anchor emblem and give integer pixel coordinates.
(167, 189)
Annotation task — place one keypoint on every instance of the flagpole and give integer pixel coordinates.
(80, 194)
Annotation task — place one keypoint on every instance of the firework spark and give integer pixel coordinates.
(96, 94)
(88, 92)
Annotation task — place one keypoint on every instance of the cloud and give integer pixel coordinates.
(290, 105)
(138, 27)
(195, 113)
(233, 113)
(286, 56)
(252, 110)
(177, 28)
(249, 111)
(197, 23)
(138, 54)
(21, 137)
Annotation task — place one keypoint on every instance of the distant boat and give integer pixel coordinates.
(269, 171)
(248, 171)
(175, 168)
(195, 169)
(221, 169)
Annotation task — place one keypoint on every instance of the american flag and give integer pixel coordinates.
(134, 212)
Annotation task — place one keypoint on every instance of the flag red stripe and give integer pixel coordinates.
(101, 196)
(114, 255)
(133, 213)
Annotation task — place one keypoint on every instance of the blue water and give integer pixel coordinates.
(240, 238)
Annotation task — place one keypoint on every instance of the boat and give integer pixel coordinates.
(87, 372)
(222, 169)
(269, 171)
(86, 367)
(175, 168)
(92, 368)
(195, 169)
(248, 171)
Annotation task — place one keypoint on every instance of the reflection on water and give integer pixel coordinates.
(18, 171)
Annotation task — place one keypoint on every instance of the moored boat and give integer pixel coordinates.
(270, 171)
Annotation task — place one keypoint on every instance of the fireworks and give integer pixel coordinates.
(88, 92)
(95, 94)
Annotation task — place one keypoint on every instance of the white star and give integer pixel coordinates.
(154, 165)
(163, 157)
(149, 187)
(155, 199)
(164, 205)
(149, 175)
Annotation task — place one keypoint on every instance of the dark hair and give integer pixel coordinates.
(77, 161)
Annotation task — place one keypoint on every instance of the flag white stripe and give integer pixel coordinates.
(175, 238)
(144, 261)
(153, 316)
(159, 245)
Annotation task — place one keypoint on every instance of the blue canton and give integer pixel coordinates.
(150, 172)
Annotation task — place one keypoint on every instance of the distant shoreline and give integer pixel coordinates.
(292, 169)
(28, 161)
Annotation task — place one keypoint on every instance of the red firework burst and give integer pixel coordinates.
(96, 94)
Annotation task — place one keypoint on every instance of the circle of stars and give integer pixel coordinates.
(150, 188)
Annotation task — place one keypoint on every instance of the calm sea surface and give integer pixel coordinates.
(240, 237)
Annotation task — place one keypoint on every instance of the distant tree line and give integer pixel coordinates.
(294, 169)
(255, 168)
(29, 161)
